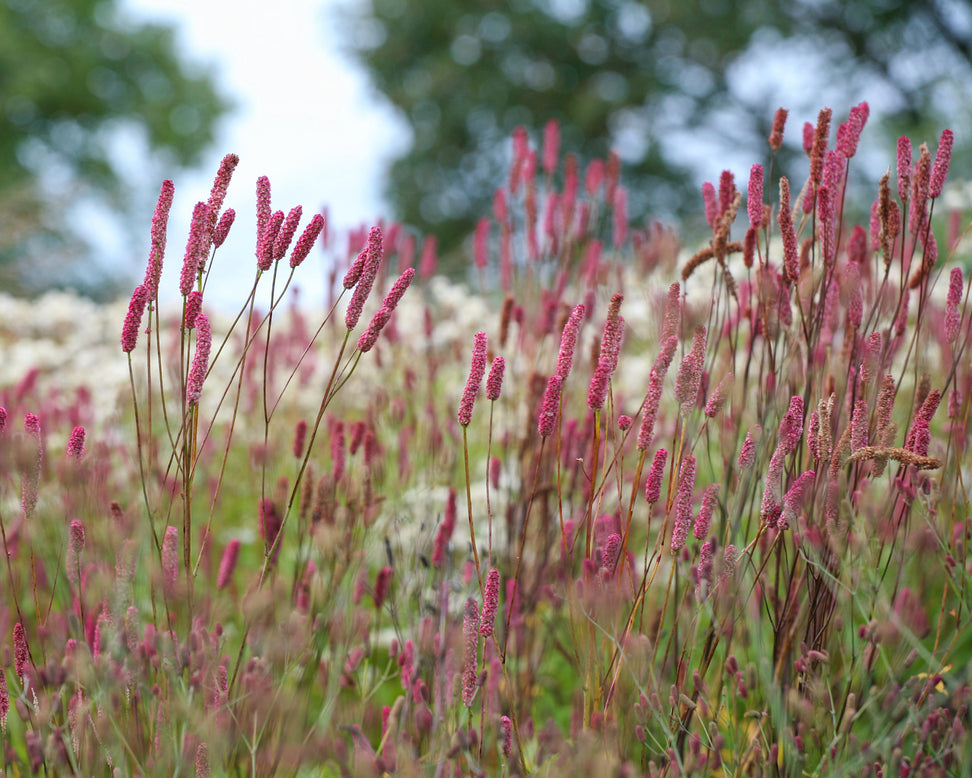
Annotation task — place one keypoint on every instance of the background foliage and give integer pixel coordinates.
(73, 75)
(648, 79)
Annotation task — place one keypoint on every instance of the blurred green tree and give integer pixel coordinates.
(653, 80)
(74, 74)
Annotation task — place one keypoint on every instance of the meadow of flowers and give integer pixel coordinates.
(615, 509)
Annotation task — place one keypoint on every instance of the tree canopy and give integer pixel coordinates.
(648, 79)
(73, 73)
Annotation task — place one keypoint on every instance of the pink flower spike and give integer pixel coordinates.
(719, 396)
(170, 558)
(791, 260)
(228, 564)
(477, 370)
(683, 504)
(747, 454)
(672, 318)
(687, 382)
(370, 336)
(75, 446)
(793, 499)
(858, 118)
(262, 212)
(652, 398)
(942, 158)
(300, 438)
(160, 220)
(490, 603)
(807, 138)
(952, 319)
(776, 134)
(494, 381)
(506, 730)
(624, 422)
(265, 255)
(791, 427)
(200, 362)
(727, 191)
(598, 388)
(286, 233)
(594, 176)
(355, 269)
(664, 359)
(4, 701)
(821, 135)
(470, 638)
(550, 407)
(202, 761)
(133, 320)
(904, 168)
(366, 280)
(220, 186)
(223, 227)
(754, 202)
(655, 475)
(197, 248)
(76, 537)
(709, 500)
(383, 581)
(21, 651)
(568, 341)
(711, 204)
(193, 306)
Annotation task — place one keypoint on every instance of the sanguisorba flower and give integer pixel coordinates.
(133, 320)
(223, 227)
(170, 558)
(220, 185)
(197, 248)
(228, 564)
(568, 341)
(550, 407)
(655, 475)
(200, 362)
(776, 134)
(366, 278)
(942, 158)
(747, 454)
(75, 547)
(370, 336)
(952, 318)
(192, 307)
(21, 651)
(470, 659)
(75, 446)
(306, 240)
(608, 360)
(490, 603)
(494, 381)
(477, 370)
(4, 702)
(160, 221)
(683, 504)
(286, 233)
(754, 201)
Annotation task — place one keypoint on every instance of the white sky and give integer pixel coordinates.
(305, 117)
